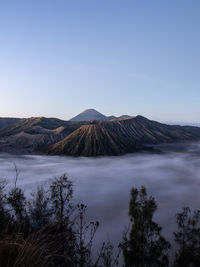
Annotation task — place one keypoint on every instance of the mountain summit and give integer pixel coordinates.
(93, 114)
(88, 115)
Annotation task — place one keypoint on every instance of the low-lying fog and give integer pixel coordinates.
(104, 184)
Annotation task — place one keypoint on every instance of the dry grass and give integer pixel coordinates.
(16, 252)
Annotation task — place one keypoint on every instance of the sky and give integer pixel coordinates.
(60, 57)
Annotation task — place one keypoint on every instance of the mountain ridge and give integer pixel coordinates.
(7, 121)
(118, 137)
(28, 123)
(114, 136)
(93, 114)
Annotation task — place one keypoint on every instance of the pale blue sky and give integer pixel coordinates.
(59, 57)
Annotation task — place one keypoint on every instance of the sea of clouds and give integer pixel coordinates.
(104, 183)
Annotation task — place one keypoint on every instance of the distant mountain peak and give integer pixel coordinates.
(89, 114)
(92, 114)
(91, 110)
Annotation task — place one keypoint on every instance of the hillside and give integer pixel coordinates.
(116, 136)
(28, 142)
(93, 140)
(120, 136)
(146, 131)
(27, 135)
(4, 122)
(25, 125)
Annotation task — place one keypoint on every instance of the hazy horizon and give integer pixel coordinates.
(194, 123)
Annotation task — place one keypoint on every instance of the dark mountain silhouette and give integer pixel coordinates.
(89, 114)
(4, 122)
(92, 114)
(28, 142)
(116, 136)
(111, 117)
(27, 135)
(124, 117)
(26, 125)
(120, 136)
(93, 140)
